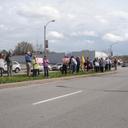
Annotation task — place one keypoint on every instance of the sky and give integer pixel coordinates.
(79, 24)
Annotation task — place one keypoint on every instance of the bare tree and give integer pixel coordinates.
(23, 47)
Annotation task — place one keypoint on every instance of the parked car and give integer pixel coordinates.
(124, 64)
(56, 67)
(41, 68)
(16, 67)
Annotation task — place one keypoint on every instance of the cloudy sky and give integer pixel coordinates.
(79, 25)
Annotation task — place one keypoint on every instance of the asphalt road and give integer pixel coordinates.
(91, 102)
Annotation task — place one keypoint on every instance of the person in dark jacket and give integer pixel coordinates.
(78, 64)
(9, 64)
(101, 62)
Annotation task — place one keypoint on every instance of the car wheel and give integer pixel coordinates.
(17, 70)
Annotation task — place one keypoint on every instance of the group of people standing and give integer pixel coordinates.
(104, 64)
(75, 64)
(72, 63)
(32, 64)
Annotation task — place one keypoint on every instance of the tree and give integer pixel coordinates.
(4, 51)
(22, 48)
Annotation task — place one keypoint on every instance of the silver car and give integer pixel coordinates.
(16, 67)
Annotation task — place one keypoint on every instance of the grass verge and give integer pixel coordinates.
(20, 78)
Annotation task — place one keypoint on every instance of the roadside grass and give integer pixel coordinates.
(20, 78)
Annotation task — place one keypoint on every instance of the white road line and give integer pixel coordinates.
(55, 98)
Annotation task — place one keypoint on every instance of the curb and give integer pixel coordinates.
(32, 82)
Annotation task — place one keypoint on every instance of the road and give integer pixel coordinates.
(91, 102)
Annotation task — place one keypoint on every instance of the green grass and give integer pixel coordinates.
(19, 78)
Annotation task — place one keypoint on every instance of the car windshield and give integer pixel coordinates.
(14, 62)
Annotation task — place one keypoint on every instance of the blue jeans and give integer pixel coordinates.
(46, 73)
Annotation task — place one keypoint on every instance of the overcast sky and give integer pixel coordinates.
(79, 25)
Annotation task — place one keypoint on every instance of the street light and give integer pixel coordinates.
(111, 48)
(45, 26)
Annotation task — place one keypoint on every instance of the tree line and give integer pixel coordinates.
(22, 48)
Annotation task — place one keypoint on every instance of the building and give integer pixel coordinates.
(57, 57)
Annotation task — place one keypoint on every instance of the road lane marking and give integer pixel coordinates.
(55, 98)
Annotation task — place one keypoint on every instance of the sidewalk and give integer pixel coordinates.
(37, 82)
